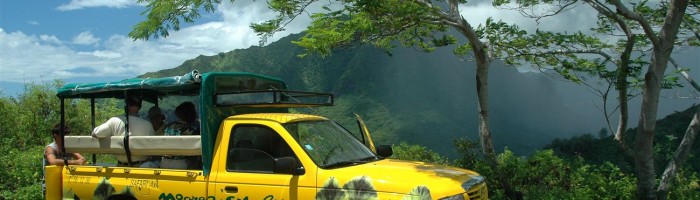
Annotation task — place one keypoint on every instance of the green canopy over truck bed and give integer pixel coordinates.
(208, 86)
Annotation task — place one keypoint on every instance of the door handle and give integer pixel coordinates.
(231, 189)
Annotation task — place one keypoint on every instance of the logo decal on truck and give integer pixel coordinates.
(79, 179)
(143, 184)
(104, 190)
(171, 196)
(361, 187)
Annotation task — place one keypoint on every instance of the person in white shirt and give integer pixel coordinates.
(138, 126)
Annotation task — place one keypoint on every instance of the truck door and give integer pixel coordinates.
(252, 150)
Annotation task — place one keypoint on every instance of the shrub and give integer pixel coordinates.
(405, 151)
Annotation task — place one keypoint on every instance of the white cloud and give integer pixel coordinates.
(580, 18)
(35, 23)
(28, 58)
(102, 54)
(50, 39)
(80, 4)
(85, 38)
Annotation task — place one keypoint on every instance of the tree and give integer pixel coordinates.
(416, 23)
(649, 28)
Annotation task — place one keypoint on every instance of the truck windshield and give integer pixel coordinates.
(328, 144)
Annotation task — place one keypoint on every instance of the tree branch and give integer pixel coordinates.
(561, 51)
(561, 9)
(531, 13)
(624, 11)
(600, 7)
(685, 75)
(680, 155)
(443, 15)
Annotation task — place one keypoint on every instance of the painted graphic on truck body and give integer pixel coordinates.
(361, 188)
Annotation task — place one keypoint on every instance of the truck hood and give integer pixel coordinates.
(403, 177)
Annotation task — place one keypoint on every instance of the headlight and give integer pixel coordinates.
(475, 180)
(454, 197)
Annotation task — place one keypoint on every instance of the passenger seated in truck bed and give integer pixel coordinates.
(137, 127)
(185, 124)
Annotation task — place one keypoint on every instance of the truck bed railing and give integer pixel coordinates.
(186, 145)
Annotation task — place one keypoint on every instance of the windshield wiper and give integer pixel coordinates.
(352, 162)
(368, 159)
(341, 163)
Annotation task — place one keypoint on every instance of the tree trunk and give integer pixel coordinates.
(644, 140)
(621, 85)
(483, 60)
(679, 156)
(482, 92)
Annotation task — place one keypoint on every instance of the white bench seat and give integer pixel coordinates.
(189, 145)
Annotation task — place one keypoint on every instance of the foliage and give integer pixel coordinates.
(405, 151)
(686, 186)
(469, 155)
(563, 179)
(26, 131)
(21, 177)
(166, 15)
(568, 177)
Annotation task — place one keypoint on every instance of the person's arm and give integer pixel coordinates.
(104, 130)
(53, 160)
(79, 159)
(150, 130)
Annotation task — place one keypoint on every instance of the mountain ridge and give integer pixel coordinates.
(417, 97)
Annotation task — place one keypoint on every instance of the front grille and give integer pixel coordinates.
(478, 192)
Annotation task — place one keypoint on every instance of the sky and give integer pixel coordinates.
(86, 40)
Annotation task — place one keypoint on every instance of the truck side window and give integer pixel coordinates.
(253, 148)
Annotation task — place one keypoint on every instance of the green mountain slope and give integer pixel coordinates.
(669, 133)
(412, 96)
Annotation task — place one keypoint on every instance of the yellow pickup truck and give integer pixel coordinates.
(251, 148)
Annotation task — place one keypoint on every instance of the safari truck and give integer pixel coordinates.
(252, 147)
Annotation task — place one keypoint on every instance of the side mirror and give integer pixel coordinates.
(287, 165)
(384, 151)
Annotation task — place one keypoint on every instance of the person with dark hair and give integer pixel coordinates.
(155, 115)
(185, 124)
(138, 126)
(53, 154)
